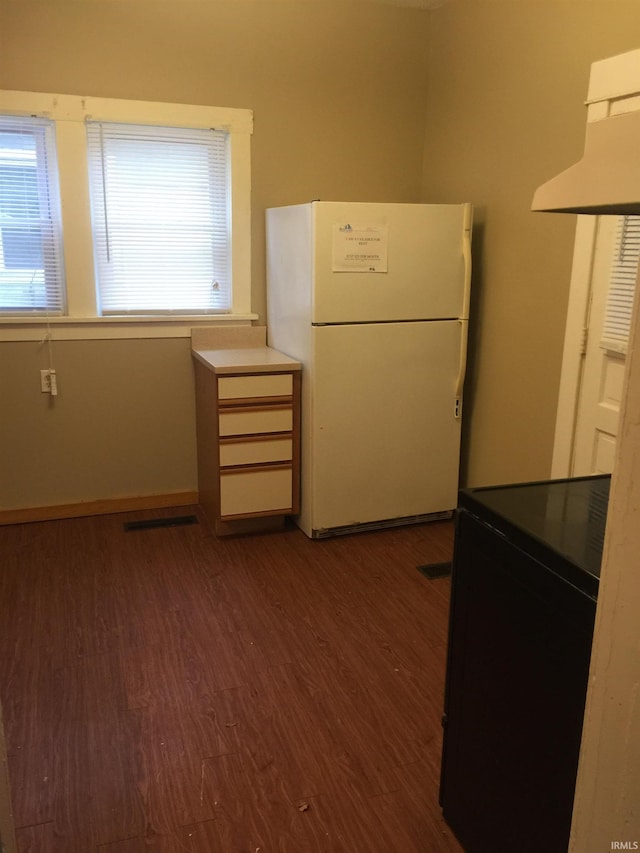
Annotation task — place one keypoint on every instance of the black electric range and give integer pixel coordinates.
(523, 599)
(560, 522)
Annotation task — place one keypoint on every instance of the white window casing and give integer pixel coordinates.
(72, 115)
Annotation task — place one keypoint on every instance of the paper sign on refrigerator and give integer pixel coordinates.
(360, 248)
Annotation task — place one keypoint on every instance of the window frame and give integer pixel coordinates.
(70, 112)
(623, 274)
(47, 213)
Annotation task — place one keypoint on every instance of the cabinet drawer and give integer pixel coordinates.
(256, 451)
(270, 385)
(255, 490)
(252, 421)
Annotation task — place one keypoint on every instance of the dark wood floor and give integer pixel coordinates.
(165, 690)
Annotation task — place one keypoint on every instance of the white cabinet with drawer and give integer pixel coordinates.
(248, 431)
(260, 489)
(254, 420)
(255, 449)
(260, 385)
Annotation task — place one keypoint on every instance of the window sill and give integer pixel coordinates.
(108, 328)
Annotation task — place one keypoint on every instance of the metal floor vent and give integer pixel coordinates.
(174, 521)
(435, 570)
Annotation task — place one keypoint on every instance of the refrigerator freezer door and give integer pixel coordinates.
(289, 279)
(384, 437)
(424, 260)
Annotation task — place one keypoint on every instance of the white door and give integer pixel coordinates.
(604, 366)
(593, 366)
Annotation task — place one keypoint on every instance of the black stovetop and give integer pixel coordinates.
(561, 519)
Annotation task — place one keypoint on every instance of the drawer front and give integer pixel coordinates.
(255, 421)
(271, 385)
(257, 451)
(257, 490)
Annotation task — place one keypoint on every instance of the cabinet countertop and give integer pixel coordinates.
(246, 360)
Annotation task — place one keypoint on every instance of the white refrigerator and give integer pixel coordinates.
(373, 300)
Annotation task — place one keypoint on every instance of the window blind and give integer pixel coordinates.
(622, 283)
(31, 259)
(161, 218)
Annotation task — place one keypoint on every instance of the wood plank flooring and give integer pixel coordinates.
(165, 690)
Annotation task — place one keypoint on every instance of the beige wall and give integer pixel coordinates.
(338, 93)
(508, 80)
(479, 100)
(121, 425)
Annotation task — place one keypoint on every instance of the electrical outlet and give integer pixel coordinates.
(48, 381)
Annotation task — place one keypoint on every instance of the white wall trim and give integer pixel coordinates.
(572, 357)
(91, 329)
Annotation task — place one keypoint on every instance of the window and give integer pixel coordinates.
(622, 285)
(155, 202)
(159, 211)
(31, 269)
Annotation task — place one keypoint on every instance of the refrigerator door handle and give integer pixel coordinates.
(464, 317)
